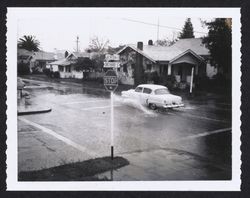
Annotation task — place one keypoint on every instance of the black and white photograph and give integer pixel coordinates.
(123, 98)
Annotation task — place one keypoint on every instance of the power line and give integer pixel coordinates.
(152, 24)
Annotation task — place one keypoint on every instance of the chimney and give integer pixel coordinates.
(139, 66)
(140, 45)
(150, 42)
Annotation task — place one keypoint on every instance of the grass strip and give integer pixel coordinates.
(77, 171)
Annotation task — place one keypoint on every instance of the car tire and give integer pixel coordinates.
(152, 106)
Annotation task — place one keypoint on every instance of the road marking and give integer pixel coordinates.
(204, 134)
(60, 137)
(102, 107)
(83, 102)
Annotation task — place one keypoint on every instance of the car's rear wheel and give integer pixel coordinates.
(152, 106)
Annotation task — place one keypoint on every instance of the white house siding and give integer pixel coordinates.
(54, 68)
(72, 74)
(77, 74)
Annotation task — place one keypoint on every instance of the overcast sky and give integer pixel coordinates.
(58, 28)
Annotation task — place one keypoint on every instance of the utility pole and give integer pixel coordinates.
(158, 26)
(77, 41)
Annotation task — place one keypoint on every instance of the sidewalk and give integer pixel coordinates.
(166, 164)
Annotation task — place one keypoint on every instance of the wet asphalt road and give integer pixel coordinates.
(78, 128)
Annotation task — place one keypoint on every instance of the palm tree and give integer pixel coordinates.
(29, 43)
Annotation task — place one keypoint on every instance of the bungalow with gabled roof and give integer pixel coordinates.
(176, 60)
(66, 66)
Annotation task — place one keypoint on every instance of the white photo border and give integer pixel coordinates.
(12, 162)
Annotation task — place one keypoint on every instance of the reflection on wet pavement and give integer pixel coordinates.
(148, 139)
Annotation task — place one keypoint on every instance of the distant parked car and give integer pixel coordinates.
(154, 96)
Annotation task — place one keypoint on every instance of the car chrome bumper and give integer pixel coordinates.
(173, 106)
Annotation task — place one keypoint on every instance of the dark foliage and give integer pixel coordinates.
(187, 31)
(29, 43)
(23, 68)
(83, 64)
(219, 42)
(56, 74)
(169, 82)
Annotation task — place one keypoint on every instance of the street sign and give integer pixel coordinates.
(114, 57)
(110, 80)
(111, 65)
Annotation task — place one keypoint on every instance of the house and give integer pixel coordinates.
(176, 60)
(40, 59)
(67, 67)
(23, 56)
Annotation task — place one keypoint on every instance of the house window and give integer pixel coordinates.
(61, 68)
(68, 69)
(149, 67)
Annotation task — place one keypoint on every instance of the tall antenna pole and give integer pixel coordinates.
(77, 41)
(158, 26)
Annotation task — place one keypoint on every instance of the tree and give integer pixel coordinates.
(187, 30)
(166, 42)
(29, 43)
(98, 44)
(219, 42)
(83, 64)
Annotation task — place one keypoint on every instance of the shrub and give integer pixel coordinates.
(47, 72)
(155, 77)
(56, 74)
(23, 68)
(151, 77)
(169, 81)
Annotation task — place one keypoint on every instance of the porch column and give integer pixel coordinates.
(169, 68)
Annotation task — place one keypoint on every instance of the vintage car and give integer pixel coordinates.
(154, 96)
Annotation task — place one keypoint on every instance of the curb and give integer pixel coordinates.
(33, 112)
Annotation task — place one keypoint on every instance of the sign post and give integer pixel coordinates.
(192, 78)
(111, 82)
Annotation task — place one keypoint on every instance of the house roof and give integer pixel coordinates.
(41, 55)
(24, 52)
(80, 54)
(168, 53)
(63, 62)
(195, 44)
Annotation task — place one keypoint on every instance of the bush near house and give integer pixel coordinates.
(169, 82)
(56, 74)
(23, 68)
(51, 74)
(151, 77)
(47, 72)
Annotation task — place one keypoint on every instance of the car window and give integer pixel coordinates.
(147, 90)
(161, 91)
(138, 89)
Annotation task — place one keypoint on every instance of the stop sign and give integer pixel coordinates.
(110, 80)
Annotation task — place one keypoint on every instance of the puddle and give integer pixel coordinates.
(135, 104)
